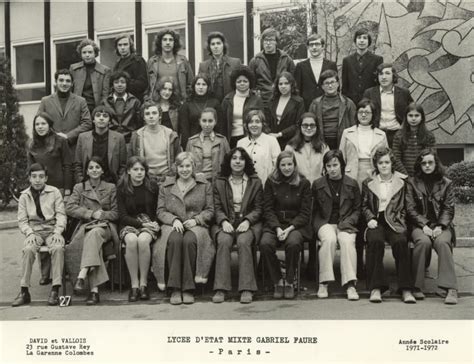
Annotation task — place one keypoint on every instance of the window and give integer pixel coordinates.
(232, 28)
(2, 52)
(107, 53)
(66, 53)
(29, 71)
(152, 33)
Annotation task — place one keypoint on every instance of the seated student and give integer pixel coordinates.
(158, 144)
(94, 203)
(286, 213)
(126, 118)
(430, 212)
(167, 98)
(383, 207)
(208, 147)
(336, 212)
(238, 202)
(101, 142)
(137, 198)
(185, 208)
(41, 218)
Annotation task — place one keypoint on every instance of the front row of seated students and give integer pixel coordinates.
(193, 220)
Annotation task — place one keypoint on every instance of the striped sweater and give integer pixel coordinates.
(406, 154)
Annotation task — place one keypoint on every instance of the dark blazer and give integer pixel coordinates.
(116, 154)
(357, 77)
(401, 97)
(252, 205)
(395, 213)
(442, 197)
(349, 206)
(252, 102)
(228, 65)
(135, 66)
(286, 205)
(127, 208)
(308, 87)
(100, 79)
(290, 117)
(130, 120)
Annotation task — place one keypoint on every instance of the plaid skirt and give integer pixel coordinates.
(133, 230)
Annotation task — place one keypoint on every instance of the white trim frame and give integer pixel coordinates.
(204, 19)
(172, 24)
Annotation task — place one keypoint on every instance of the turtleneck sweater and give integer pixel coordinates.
(365, 136)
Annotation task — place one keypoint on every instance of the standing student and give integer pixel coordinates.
(132, 63)
(285, 108)
(390, 101)
(126, 117)
(137, 198)
(91, 79)
(383, 207)
(42, 219)
(219, 66)
(359, 68)
(411, 139)
(238, 202)
(269, 63)
(166, 62)
(430, 212)
(286, 213)
(208, 147)
(308, 72)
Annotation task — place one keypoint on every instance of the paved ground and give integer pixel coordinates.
(114, 305)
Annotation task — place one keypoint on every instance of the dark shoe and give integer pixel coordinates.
(419, 295)
(80, 286)
(45, 281)
(53, 299)
(23, 298)
(93, 299)
(144, 295)
(133, 295)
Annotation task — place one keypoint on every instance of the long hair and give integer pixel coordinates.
(159, 38)
(291, 80)
(174, 98)
(297, 142)
(130, 40)
(87, 42)
(125, 185)
(439, 171)
(226, 171)
(36, 138)
(278, 177)
(205, 78)
(330, 155)
(219, 35)
(422, 132)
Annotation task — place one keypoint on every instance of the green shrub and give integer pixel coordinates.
(464, 194)
(462, 174)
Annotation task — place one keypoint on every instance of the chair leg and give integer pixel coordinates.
(112, 271)
(120, 270)
(298, 273)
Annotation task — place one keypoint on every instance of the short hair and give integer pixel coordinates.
(37, 167)
(146, 105)
(270, 32)
(314, 37)
(211, 110)
(362, 104)
(63, 71)
(103, 109)
(181, 157)
(379, 153)
(439, 171)
(159, 38)
(118, 74)
(213, 35)
(95, 159)
(205, 78)
(87, 42)
(255, 112)
(242, 71)
(291, 80)
(328, 74)
(249, 168)
(362, 31)
(382, 66)
(330, 155)
(121, 36)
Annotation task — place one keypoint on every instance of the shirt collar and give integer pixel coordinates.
(212, 136)
(244, 177)
(384, 181)
(256, 141)
(124, 97)
(386, 92)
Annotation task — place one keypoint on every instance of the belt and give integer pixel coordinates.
(286, 214)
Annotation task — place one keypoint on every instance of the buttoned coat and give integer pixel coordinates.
(100, 79)
(289, 118)
(75, 119)
(307, 86)
(131, 118)
(349, 204)
(349, 148)
(347, 115)
(228, 65)
(442, 198)
(116, 154)
(395, 212)
(401, 99)
(263, 77)
(135, 66)
(251, 208)
(198, 204)
(185, 76)
(357, 77)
